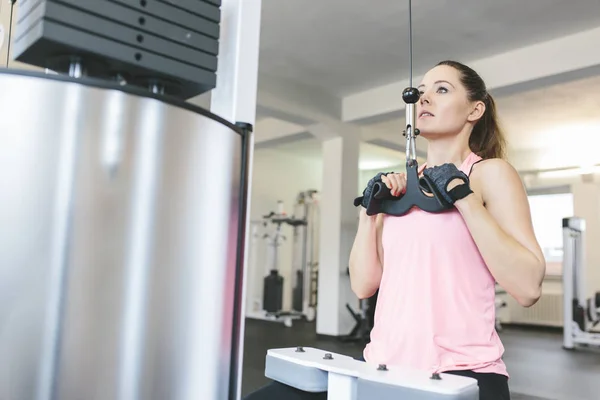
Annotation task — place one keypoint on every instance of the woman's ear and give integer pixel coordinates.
(477, 111)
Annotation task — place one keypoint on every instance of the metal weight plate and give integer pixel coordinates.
(191, 37)
(180, 79)
(207, 25)
(96, 25)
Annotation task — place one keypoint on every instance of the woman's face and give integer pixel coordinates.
(444, 107)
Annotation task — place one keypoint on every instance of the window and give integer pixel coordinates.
(547, 213)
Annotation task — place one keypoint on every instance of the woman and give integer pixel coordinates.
(436, 273)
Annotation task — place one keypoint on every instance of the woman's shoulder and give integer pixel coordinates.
(493, 168)
(493, 174)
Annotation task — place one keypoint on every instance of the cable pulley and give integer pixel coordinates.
(419, 192)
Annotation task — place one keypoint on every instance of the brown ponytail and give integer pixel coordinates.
(487, 139)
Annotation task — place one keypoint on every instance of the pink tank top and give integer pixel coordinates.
(436, 303)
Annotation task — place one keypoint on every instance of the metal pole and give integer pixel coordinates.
(234, 99)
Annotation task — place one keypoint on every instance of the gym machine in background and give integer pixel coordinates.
(364, 320)
(580, 314)
(121, 252)
(306, 257)
(273, 288)
(303, 265)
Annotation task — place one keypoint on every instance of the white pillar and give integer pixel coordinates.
(234, 99)
(338, 224)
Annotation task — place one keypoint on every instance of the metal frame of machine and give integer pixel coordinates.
(345, 378)
(104, 57)
(303, 265)
(580, 314)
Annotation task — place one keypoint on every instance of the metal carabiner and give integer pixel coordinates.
(411, 96)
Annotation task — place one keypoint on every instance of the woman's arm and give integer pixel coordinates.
(366, 256)
(503, 231)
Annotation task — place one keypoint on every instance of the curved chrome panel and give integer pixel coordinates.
(119, 224)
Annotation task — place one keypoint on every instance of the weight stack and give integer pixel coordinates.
(273, 292)
(298, 292)
(139, 42)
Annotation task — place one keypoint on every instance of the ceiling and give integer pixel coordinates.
(565, 115)
(344, 46)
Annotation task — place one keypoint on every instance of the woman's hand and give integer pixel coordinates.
(449, 183)
(396, 182)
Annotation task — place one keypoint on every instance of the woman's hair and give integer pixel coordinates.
(487, 139)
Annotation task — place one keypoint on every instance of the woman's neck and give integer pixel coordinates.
(447, 150)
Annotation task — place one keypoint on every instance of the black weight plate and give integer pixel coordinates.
(199, 7)
(150, 24)
(111, 30)
(175, 15)
(161, 11)
(48, 44)
(215, 2)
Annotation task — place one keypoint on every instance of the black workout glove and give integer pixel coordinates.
(366, 199)
(439, 177)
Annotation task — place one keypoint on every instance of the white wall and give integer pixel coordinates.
(277, 176)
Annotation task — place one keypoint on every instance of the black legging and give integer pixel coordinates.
(491, 387)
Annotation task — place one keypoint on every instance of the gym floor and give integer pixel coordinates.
(540, 369)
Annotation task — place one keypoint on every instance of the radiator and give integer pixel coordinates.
(548, 311)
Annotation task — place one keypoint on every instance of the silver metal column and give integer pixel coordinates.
(574, 229)
(120, 242)
(234, 99)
